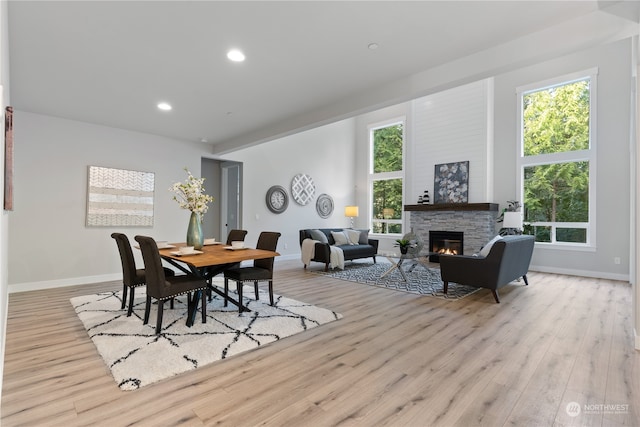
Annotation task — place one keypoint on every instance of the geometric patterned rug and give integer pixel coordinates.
(138, 357)
(421, 280)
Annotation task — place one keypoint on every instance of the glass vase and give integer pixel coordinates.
(195, 237)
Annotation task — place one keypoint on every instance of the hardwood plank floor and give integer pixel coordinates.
(395, 359)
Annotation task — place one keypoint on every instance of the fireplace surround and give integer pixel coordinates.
(476, 220)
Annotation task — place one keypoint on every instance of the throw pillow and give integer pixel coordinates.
(364, 237)
(353, 236)
(319, 236)
(487, 248)
(340, 238)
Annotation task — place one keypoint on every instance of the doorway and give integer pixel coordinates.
(224, 183)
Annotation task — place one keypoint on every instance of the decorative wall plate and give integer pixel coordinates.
(324, 205)
(277, 199)
(302, 189)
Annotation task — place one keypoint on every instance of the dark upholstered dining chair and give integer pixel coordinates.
(236, 236)
(211, 272)
(164, 288)
(132, 277)
(261, 271)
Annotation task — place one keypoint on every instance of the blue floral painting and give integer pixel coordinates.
(451, 183)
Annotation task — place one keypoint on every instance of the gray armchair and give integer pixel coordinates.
(508, 259)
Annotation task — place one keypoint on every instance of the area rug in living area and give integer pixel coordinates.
(138, 357)
(422, 280)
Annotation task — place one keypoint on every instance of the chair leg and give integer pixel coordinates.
(495, 295)
(204, 306)
(132, 292)
(159, 320)
(226, 290)
(446, 287)
(239, 286)
(147, 309)
(271, 291)
(526, 282)
(171, 306)
(255, 288)
(124, 296)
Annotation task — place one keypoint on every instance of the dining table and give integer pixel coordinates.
(208, 262)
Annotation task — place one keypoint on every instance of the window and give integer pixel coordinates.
(557, 159)
(386, 178)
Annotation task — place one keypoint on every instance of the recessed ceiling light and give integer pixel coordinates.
(164, 106)
(373, 46)
(235, 55)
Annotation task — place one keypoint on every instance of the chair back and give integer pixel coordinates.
(268, 240)
(126, 258)
(236, 236)
(154, 272)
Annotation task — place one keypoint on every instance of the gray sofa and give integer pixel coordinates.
(507, 260)
(364, 249)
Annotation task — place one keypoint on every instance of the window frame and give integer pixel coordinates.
(371, 176)
(588, 155)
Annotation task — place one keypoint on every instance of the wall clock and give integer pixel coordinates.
(324, 205)
(302, 189)
(277, 199)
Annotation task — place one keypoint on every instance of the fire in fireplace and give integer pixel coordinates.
(445, 242)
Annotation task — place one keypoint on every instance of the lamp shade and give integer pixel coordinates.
(388, 213)
(351, 211)
(512, 220)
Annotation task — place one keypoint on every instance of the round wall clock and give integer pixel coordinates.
(277, 199)
(324, 205)
(302, 189)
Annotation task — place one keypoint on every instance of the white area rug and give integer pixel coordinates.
(138, 357)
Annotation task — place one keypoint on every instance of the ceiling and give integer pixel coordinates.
(307, 62)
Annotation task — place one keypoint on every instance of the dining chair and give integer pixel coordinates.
(260, 271)
(233, 236)
(162, 287)
(132, 277)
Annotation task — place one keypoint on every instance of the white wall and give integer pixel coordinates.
(326, 154)
(613, 171)
(51, 160)
(4, 220)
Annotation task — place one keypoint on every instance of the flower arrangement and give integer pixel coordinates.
(190, 194)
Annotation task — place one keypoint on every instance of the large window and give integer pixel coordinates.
(557, 159)
(386, 178)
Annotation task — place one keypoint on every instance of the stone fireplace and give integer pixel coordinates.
(477, 222)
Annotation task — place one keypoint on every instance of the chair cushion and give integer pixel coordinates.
(487, 248)
(248, 274)
(319, 236)
(340, 238)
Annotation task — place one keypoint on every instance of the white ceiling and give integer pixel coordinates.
(308, 62)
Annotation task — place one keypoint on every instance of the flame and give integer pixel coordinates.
(447, 251)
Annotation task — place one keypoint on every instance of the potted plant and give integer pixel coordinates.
(404, 245)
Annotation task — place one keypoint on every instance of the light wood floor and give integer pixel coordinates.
(395, 359)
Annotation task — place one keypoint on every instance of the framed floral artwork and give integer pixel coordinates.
(451, 183)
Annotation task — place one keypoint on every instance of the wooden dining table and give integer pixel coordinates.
(210, 261)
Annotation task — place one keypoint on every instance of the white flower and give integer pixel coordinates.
(190, 194)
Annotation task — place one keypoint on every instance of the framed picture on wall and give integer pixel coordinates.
(119, 197)
(451, 183)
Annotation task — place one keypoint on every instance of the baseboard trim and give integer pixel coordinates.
(61, 283)
(582, 273)
(86, 280)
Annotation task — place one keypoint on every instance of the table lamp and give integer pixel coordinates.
(512, 221)
(351, 212)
